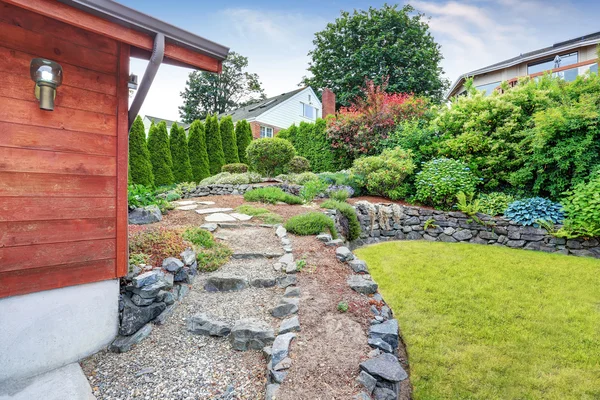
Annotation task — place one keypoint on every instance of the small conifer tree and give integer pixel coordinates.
(243, 135)
(140, 168)
(197, 152)
(160, 155)
(214, 145)
(182, 170)
(230, 149)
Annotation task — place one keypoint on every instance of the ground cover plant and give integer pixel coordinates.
(486, 322)
(311, 223)
(312, 189)
(226, 178)
(235, 168)
(271, 195)
(263, 214)
(347, 211)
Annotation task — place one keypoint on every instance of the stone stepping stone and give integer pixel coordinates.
(209, 227)
(202, 324)
(206, 203)
(185, 203)
(187, 208)
(219, 217)
(213, 210)
(225, 283)
(241, 217)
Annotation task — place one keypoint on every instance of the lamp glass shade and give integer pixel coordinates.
(46, 71)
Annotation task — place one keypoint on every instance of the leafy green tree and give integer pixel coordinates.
(182, 170)
(197, 151)
(160, 155)
(379, 44)
(208, 93)
(229, 141)
(214, 145)
(140, 168)
(243, 136)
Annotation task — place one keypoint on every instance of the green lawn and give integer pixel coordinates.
(486, 322)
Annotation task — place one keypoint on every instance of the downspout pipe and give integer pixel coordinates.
(158, 53)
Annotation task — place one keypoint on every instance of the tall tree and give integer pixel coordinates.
(214, 145)
(140, 168)
(182, 170)
(160, 155)
(377, 44)
(229, 141)
(208, 93)
(197, 151)
(243, 136)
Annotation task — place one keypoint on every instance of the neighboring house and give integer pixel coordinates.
(566, 59)
(269, 116)
(148, 121)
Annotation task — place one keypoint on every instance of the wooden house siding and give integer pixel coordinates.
(63, 174)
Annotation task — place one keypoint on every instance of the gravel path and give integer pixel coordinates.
(175, 364)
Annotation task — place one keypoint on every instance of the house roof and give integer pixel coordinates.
(256, 109)
(157, 121)
(590, 39)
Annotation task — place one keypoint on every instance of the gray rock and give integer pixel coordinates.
(186, 275)
(324, 237)
(134, 317)
(445, 238)
(515, 243)
(145, 215)
(291, 324)
(271, 392)
(358, 266)
(344, 254)
(362, 396)
(164, 316)
(133, 271)
(384, 366)
(386, 331)
(168, 279)
(149, 291)
(335, 243)
(285, 241)
(267, 353)
(378, 343)
(291, 268)
(202, 324)
(574, 244)
(413, 236)
(284, 309)
(287, 259)
(362, 284)
(147, 278)
(209, 227)
(285, 281)
(281, 347)
(281, 232)
(251, 334)
(583, 253)
(449, 231)
(367, 381)
(286, 363)
(461, 235)
(172, 264)
(123, 344)
(277, 376)
(140, 301)
(381, 393)
(182, 291)
(188, 257)
(386, 313)
(292, 292)
(263, 282)
(288, 249)
(290, 300)
(225, 283)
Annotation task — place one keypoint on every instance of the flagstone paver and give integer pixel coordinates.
(187, 208)
(219, 217)
(213, 210)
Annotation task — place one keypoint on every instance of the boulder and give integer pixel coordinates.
(285, 281)
(324, 237)
(188, 257)
(362, 284)
(386, 331)
(123, 344)
(462, 235)
(380, 344)
(263, 282)
(271, 393)
(209, 227)
(281, 232)
(134, 317)
(284, 309)
(367, 381)
(277, 376)
(149, 291)
(381, 393)
(281, 347)
(147, 278)
(172, 264)
(335, 243)
(225, 283)
(291, 324)
(358, 266)
(287, 260)
(140, 301)
(202, 324)
(344, 254)
(145, 215)
(384, 366)
(251, 334)
(185, 275)
(292, 292)
(164, 316)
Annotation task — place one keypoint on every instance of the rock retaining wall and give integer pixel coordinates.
(383, 222)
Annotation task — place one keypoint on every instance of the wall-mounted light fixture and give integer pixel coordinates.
(47, 76)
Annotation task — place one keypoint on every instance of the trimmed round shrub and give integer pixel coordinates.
(299, 165)
(270, 156)
(347, 211)
(311, 223)
(530, 211)
(582, 206)
(236, 168)
(441, 180)
(494, 203)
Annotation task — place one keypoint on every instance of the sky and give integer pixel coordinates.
(276, 36)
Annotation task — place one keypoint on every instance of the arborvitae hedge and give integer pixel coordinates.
(160, 155)
(229, 141)
(197, 152)
(182, 170)
(243, 136)
(140, 168)
(214, 145)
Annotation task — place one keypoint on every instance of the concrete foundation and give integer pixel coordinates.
(43, 331)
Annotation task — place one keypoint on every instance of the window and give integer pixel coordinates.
(308, 111)
(489, 88)
(266, 132)
(551, 63)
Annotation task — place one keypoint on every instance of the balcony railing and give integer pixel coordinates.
(568, 72)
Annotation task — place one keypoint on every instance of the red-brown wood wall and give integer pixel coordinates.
(63, 174)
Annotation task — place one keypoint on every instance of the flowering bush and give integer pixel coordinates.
(384, 175)
(441, 180)
(531, 211)
(359, 128)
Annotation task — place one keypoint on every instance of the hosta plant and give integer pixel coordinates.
(528, 212)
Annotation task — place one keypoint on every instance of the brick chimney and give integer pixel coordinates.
(328, 102)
